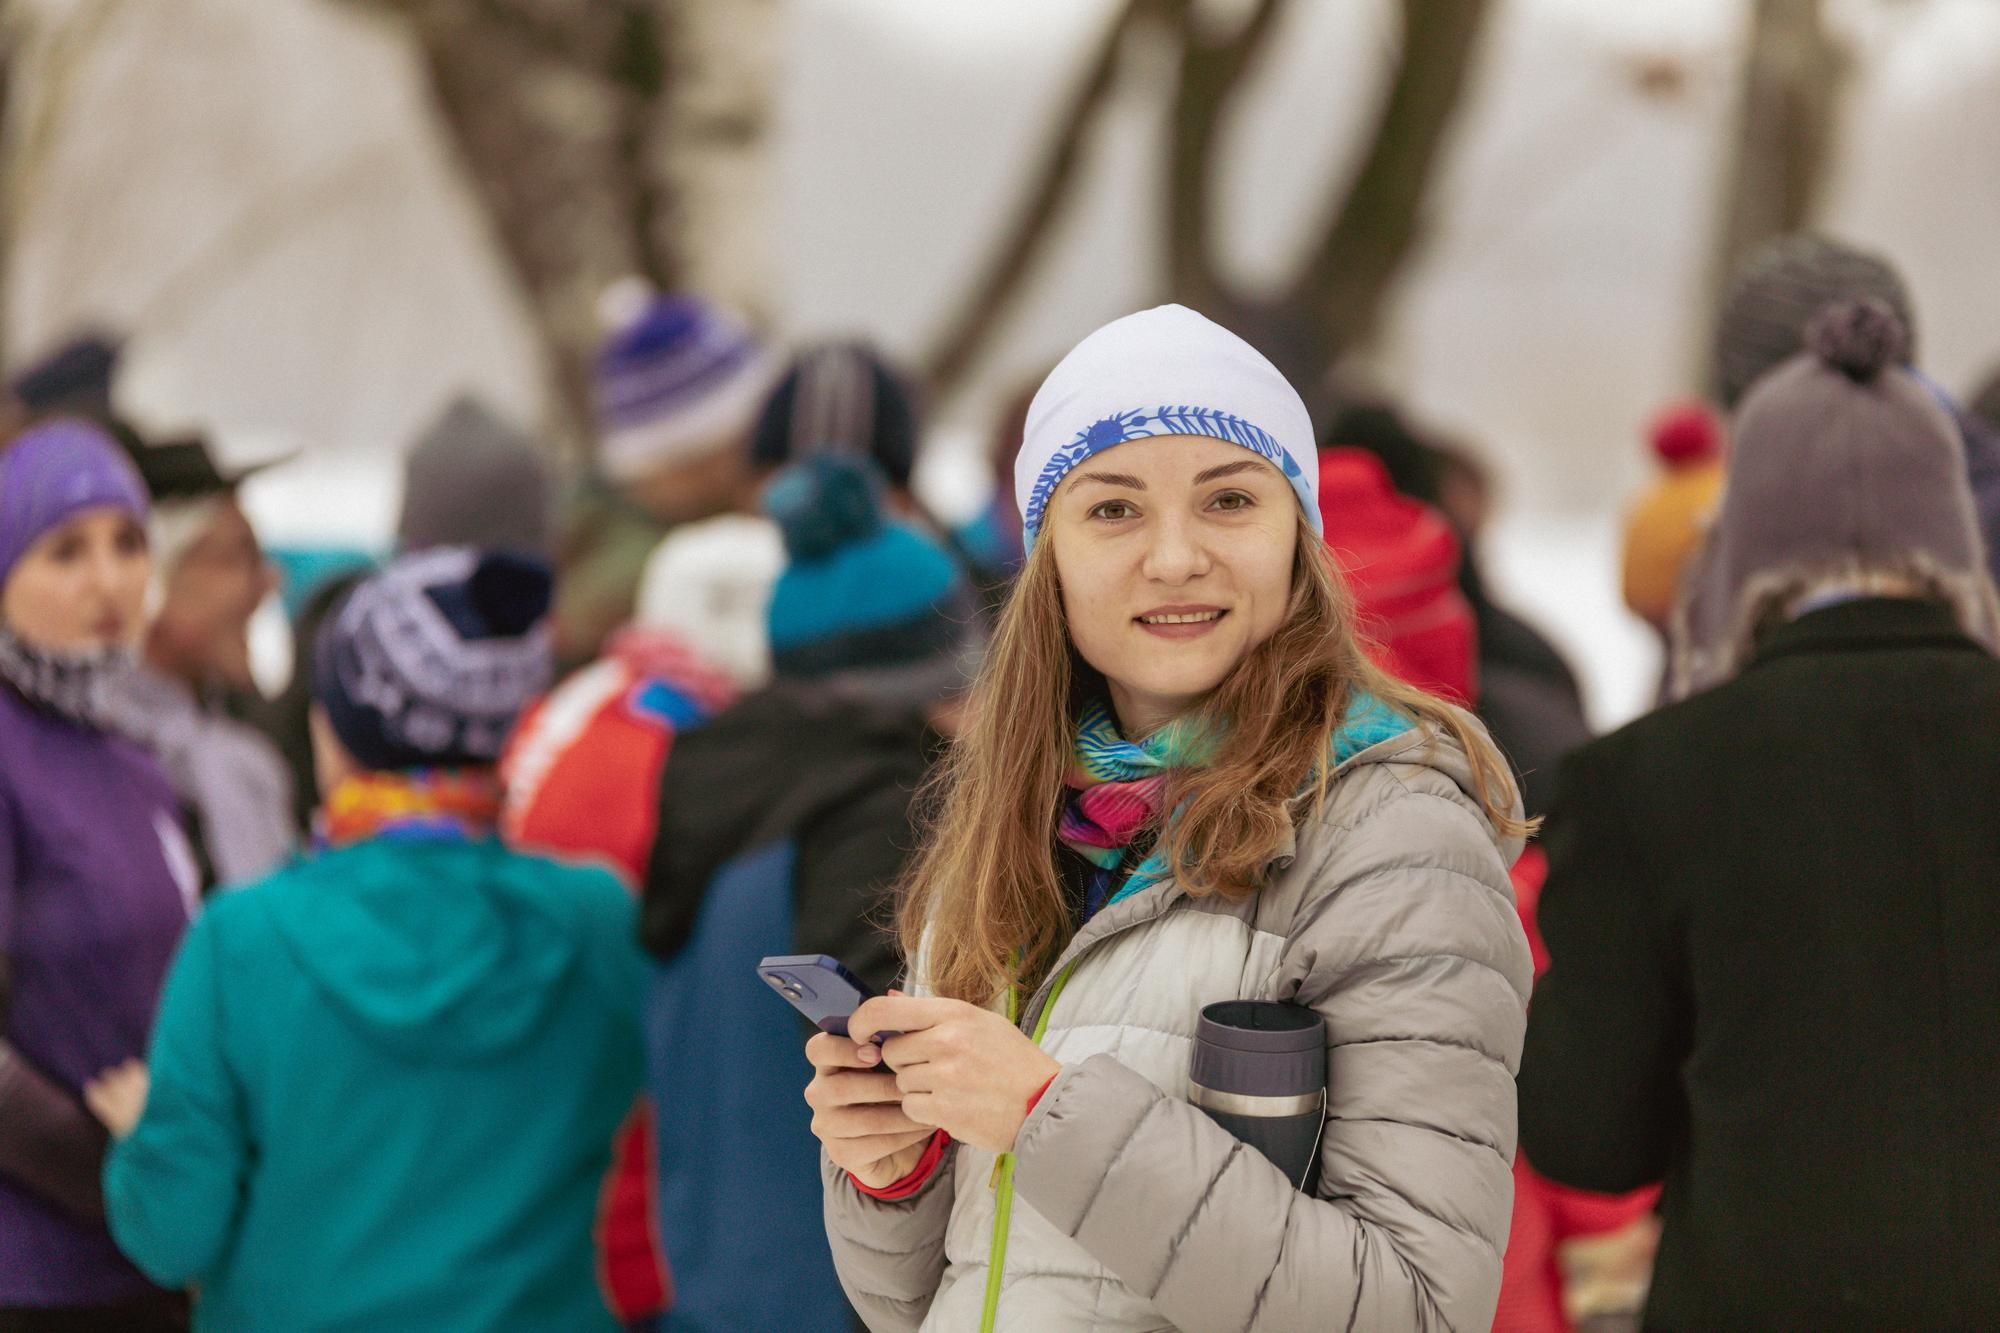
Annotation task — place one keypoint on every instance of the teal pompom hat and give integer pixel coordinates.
(865, 598)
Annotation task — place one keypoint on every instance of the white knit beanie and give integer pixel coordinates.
(1165, 371)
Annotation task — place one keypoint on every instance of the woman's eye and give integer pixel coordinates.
(1112, 510)
(1232, 500)
(67, 550)
(132, 541)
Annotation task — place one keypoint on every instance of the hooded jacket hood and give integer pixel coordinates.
(441, 951)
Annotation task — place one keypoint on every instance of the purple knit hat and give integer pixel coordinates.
(676, 380)
(54, 471)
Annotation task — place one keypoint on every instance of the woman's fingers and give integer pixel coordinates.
(827, 1051)
(863, 1122)
(902, 1013)
(858, 1154)
(851, 1088)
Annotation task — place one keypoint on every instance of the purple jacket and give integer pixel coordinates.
(96, 887)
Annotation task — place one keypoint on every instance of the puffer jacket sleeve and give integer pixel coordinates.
(890, 1256)
(1408, 945)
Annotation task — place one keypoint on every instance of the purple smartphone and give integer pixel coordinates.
(818, 987)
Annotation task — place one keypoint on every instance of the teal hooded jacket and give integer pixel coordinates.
(385, 1084)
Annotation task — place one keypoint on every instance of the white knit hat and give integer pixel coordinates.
(1164, 371)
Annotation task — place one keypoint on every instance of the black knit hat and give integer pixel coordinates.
(430, 661)
(840, 397)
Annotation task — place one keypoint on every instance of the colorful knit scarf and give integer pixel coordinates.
(419, 805)
(1118, 788)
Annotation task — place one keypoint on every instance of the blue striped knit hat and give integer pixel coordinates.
(864, 597)
(431, 661)
(1164, 371)
(677, 380)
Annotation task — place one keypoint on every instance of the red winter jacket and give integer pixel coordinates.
(583, 781)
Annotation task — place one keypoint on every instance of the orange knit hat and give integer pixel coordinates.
(1665, 524)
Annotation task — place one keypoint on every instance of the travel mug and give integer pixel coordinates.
(1259, 1070)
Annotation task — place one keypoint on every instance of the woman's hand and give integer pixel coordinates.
(857, 1112)
(964, 1069)
(117, 1097)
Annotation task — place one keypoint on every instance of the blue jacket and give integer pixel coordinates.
(384, 1088)
(784, 823)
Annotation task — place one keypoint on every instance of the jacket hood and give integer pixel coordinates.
(441, 951)
(761, 772)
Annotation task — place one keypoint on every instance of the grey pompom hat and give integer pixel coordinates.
(1844, 474)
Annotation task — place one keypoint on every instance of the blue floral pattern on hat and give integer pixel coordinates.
(1138, 423)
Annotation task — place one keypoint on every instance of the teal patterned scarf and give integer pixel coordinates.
(1118, 788)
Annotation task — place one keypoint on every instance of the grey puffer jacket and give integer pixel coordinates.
(1391, 916)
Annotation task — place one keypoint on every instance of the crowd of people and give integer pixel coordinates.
(422, 994)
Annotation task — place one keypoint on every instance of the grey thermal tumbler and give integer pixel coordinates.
(1259, 1070)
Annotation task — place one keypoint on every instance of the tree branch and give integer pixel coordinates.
(1211, 71)
(1000, 281)
(1346, 281)
(1792, 80)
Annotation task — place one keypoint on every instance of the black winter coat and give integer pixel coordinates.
(1773, 914)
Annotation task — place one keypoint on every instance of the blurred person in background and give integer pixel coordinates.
(383, 1084)
(185, 700)
(1780, 286)
(1770, 915)
(1665, 524)
(1985, 402)
(783, 826)
(96, 880)
(471, 479)
(1529, 697)
(678, 385)
(843, 397)
(582, 778)
(1401, 561)
(75, 379)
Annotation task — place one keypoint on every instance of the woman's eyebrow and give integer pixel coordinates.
(1130, 483)
(1226, 470)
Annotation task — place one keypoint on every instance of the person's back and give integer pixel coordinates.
(430, 1045)
(384, 1081)
(1774, 941)
(1842, 936)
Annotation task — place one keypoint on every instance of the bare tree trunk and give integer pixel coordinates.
(1211, 70)
(1343, 291)
(1793, 80)
(551, 105)
(1000, 282)
(708, 157)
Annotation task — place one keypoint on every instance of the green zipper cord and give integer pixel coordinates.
(1003, 1201)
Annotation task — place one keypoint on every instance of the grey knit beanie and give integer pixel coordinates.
(1778, 289)
(473, 480)
(1843, 472)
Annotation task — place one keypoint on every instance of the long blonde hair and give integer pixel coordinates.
(984, 896)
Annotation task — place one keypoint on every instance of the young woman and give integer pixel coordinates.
(1184, 783)
(96, 880)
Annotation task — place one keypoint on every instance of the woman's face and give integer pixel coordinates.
(203, 625)
(1175, 555)
(82, 587)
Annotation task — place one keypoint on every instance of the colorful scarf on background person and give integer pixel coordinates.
(419, 804)
(1118, 788)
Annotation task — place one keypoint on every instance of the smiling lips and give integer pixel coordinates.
(1180, 622)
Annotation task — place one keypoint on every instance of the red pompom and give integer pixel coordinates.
(1685, 433)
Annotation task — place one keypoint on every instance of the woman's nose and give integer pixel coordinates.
(1175, 554)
